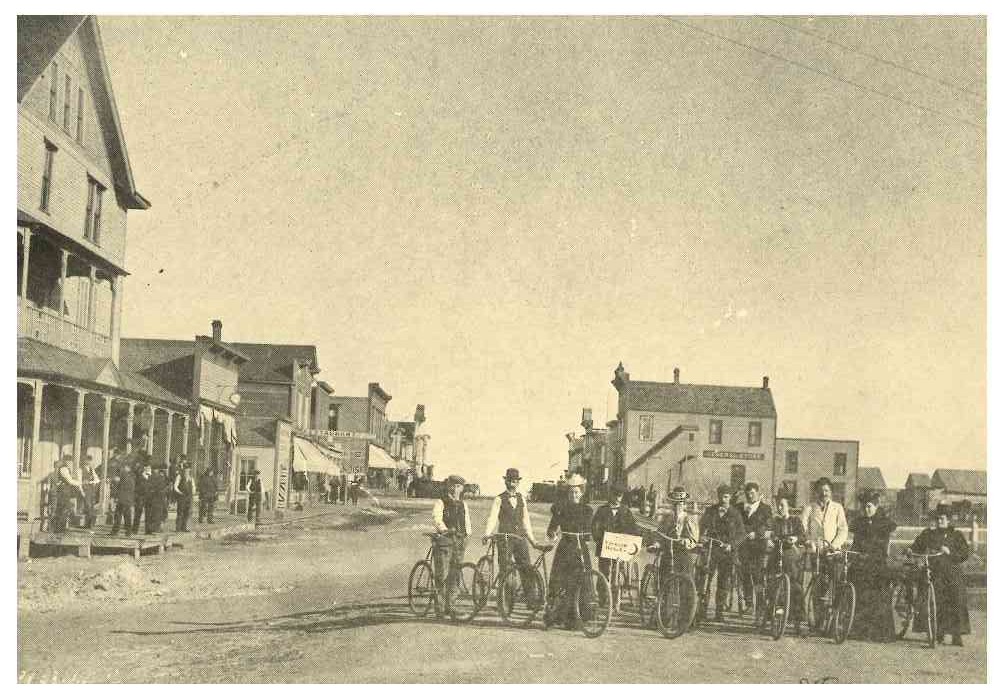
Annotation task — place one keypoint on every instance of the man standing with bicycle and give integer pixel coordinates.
(756, 517)
(825, 525)
(451, 516)
(722, 522)
(614, 516)
(510, 515)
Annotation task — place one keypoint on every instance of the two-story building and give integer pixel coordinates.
(206, 372)
(74, 191)
(695, 435)
(360, 423)
(800, 462)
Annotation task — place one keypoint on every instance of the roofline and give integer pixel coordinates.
(820, 440)
(57, 379)
(633, 382)
(773, 416)
(213, 343)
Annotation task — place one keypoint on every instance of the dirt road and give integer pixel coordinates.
(324, 601)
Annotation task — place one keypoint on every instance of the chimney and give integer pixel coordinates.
(586, 421)
(676, 375)
(765, 382)
(217, 331)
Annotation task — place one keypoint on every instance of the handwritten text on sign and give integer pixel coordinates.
(616, 545)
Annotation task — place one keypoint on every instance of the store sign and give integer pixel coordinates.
(719, 454)
(331, 435)
(616, 545)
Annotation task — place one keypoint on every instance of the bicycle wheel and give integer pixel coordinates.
(648, 602)
(779, 606)
(845, 612)
(421, 589)
(676, 603)
(518, 600)
(624, 586)
(903, 607)
(467, 595)
(593, 604)
(932, 626)
(485, 567)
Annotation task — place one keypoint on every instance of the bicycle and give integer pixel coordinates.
(778, 588)
(914, 596)
(675, 609)
(464, 596)
(514, 603)
(737, 591)
(704, 576)
(623, 576)
(831, 607)
(592, 595)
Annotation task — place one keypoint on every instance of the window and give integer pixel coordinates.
(646, 428)
(792, 461)
(332, 412)
(80, 112)
(92, 226)
(602, 455)
(53, 91)
(737, 476)
(66, 103)
(246, 464)
(716, 431)
(754, 434)
(50, 154)
(789, 490)
(840, 462)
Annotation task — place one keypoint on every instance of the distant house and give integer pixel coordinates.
(870, 479)
(965, 491)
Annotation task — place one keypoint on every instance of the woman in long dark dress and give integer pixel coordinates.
(870, 574)
(568, 516)
(947, 576)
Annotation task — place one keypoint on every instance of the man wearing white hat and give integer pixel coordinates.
(452, 518)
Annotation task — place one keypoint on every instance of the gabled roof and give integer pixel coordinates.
(870, 479)
(961, 480)
(663, 397)
(255, 432)
(39, 38)
(139, 354)
(917, 480)
(39, 359)
(268, 362)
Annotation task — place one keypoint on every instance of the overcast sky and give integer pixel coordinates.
(487, 215)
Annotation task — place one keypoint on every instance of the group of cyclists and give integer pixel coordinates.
(737, 551)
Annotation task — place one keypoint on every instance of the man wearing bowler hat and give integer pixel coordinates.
(510, 515)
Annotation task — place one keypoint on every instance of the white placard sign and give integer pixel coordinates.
(616, 545)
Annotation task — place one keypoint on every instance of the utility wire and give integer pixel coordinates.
(832, 76)
(874, 57)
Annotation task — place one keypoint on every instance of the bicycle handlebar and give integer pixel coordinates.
(505, 535)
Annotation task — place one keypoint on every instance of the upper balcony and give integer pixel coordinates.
(65, 300)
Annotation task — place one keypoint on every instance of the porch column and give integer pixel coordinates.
(26, 232)
(170, 435)
(105, 449)
(184, 435)
(38, 389)
(78, 429)
(149, 434)
(64, 263)
(116, 316)
(92, 300)
(130, 423)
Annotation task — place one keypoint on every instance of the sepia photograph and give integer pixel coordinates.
(502, 349)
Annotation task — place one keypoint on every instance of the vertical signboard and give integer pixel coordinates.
(283, 454)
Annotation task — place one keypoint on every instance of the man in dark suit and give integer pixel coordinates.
(614, 516)
(207, 491)
(142, 488)
(757, 518)
(722, 522)
(125, 498)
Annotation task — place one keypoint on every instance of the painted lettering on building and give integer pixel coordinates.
(721, 454)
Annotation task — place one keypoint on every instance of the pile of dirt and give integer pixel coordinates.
(50, 590)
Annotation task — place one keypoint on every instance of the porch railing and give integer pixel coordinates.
(47, 326)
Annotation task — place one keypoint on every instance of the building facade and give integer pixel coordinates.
(360, 424)
(694, 435)
(591, 456)
(74, 191)
(802, 461)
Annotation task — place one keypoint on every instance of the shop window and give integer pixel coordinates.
(246, 464)
(840, 464)
(716, 432)
(646, 428)
(792, 461)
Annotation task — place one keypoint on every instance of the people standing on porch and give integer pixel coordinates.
(184, 489)
(89, 481)
(125, 499)
(68, 491)
(208, 489)
(143, 475)
(254, 489)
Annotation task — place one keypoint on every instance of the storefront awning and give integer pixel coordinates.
(309, 458)
(380, 458)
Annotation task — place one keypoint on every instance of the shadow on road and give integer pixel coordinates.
(375, 613)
